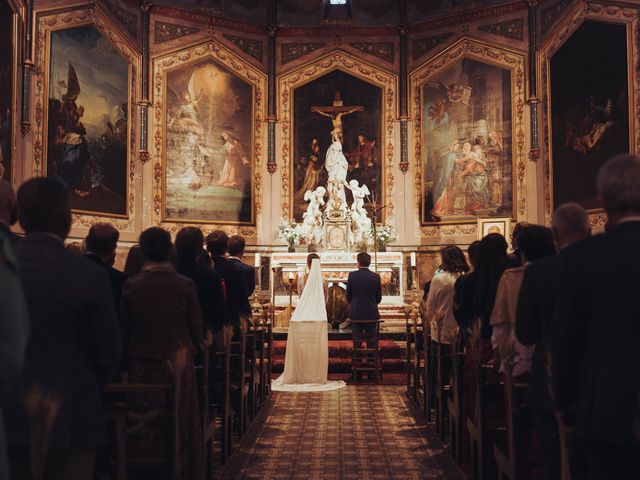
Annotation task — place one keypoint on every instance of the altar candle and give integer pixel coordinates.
(257, 264)
(290, 275)
(413, 259)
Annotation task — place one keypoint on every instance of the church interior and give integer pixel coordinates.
(319, 239)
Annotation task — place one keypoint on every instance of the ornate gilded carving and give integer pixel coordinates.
(57, 21)
(582, 12)
(348, 64)
(383, 50)
(165, 32)
(125, 17)
(242, 69)
(247, 45)
(549, 15)
(468, 48)
(422, 46)
(292, 51)
(513, 29)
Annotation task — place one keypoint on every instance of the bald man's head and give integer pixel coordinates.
(8, 204)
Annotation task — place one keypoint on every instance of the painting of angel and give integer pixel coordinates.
(88, 120)
(467, 165)
(208, 176)
(590, 109)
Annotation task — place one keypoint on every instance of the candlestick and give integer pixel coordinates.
(257, 263)
(413, 259)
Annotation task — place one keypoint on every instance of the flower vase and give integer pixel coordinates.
(291, 248)
(382, 247)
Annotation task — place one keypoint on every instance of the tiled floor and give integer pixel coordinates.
(359, 432)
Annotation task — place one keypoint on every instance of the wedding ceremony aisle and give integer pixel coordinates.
(362, 431)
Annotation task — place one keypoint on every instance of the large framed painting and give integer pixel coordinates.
(86, 96)
(589, 90)
(341, 101)
(467, 134)
(8, 61)
(337, 96)
(208, 140)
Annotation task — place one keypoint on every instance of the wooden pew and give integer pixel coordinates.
(409, 353)
(419, 361)
(481, 430)
(454, 402)
(239, 385)
(443, 387)
(220, 399)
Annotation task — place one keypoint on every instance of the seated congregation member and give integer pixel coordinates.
(235, 248)
(100, 244)
(463, 291)
(594, 348)
(74, 346)
(234, 283)
(534, 326)
(160, 318)
(439, 310)
(536, 243)
(208, 282)
(8, 212)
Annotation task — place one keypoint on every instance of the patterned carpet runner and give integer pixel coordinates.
(359, 432)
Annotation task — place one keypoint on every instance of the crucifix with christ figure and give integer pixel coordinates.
(335, 112)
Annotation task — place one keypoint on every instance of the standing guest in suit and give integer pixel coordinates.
(536, 243)
(208, 282)
(235, 248)
(364, 293)
(217, 242)
(8, 212)
(100, 244)
(534, 326)
(14, 333)
(74, 345)
(596, 334)
(160, 317)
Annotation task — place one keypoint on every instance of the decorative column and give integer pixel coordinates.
(272, 31)
(145, 102)
(533, 99)
(27, 69)
(403, 29)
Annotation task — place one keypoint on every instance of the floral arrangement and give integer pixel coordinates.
(385, 234)
(289, 231)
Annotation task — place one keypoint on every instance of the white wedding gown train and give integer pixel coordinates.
(306, 362)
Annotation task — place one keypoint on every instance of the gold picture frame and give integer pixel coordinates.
(494, 225)
(500, 57)
(46, 23)
(581, 12)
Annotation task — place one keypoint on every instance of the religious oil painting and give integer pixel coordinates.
(6, 87)
(467, 138)
(589, 109)
(209, 152)
(88, 120)
(337, 107)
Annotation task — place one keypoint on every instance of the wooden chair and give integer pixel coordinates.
(419, 364)
(251, 369)
(443, 387)
(410, 348)
(366, 349)
(426, 348)
(266, 364)
(455, 400)
(481, 431)
(118, 411)
(220, 398)
(519, 460)
(239, 382)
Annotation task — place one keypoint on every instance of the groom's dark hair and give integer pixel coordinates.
(364, 259)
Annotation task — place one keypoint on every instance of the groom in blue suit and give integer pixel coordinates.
(364, 293)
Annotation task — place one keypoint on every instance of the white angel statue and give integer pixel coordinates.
(311, 228)
(359, 216)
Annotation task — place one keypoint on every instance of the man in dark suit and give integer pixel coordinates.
(597, 330)
(236, 251)
(74, 347)
(217, 246)
(534, 326)
(364, 293)
(101, 243)
(8, 212)
(209, 284)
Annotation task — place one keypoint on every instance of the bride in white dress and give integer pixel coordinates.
(306, 362)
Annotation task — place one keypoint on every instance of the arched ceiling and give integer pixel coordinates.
(310, 12)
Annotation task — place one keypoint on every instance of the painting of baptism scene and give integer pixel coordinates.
(467, 170)
(208, 145)
(88, 120)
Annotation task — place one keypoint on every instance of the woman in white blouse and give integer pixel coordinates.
(439, 309)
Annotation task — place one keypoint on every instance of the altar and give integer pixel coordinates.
(287, 268)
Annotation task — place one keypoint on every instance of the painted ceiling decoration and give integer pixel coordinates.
(292, 51)
(249, 46)
(124, 16)
(513, 29)
(422, 46)
(383, 50)
(165, 32)
(550, 14)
